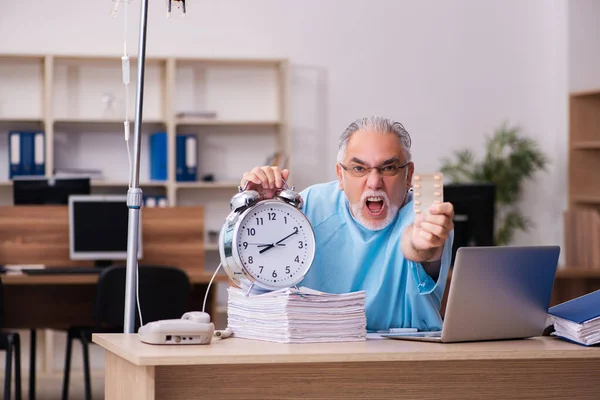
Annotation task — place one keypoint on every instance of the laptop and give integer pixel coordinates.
(495, 293)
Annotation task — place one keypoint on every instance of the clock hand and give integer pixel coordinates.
(270, 246)
(278, 243)
(290, 235)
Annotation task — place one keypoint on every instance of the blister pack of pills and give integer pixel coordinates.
(428, 189)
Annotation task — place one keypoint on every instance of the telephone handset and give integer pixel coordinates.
(194, 327)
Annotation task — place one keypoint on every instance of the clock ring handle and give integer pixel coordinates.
(241, 189)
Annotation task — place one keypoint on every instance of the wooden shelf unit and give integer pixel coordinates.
(584, 150)
(582, 231)
(79, 102)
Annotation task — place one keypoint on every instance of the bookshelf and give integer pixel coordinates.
(582, 218)
(79, 102)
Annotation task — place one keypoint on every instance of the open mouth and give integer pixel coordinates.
(375, 205)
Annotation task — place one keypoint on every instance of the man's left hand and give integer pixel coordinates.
(430, 232)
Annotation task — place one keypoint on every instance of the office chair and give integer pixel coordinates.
(163, 293)
(11, 343)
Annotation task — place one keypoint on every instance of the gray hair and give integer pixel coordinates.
(376, 124)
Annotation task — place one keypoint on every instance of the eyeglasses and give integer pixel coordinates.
(359, 171)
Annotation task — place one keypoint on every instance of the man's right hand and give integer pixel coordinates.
(266, 180)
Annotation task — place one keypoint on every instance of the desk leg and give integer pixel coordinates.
(32, 367)
(124, 380)
(47, 341)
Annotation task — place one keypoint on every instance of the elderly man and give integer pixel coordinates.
(367, 235)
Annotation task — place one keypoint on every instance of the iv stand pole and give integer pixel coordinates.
(134, 193)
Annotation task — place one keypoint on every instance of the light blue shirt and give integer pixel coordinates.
(349, 257)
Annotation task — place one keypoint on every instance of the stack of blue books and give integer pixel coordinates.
(186, 157)
(26, 153)
(578, 320)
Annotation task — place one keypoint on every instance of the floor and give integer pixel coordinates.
(50, 364)
(49, 386)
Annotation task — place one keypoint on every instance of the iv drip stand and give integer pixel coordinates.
(134, 193)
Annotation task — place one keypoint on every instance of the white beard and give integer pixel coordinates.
(374, 225)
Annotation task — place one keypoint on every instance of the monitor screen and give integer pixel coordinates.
(98, 228)
(473, 214)
(47, 191)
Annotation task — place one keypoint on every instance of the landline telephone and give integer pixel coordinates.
(193, 328)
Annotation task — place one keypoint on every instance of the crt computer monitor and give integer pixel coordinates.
(98, 228)
(473, 214)
(47, 191)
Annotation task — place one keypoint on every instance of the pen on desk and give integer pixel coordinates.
(399, 330)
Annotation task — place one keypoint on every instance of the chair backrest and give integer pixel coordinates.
(1, 303)
(163, 293)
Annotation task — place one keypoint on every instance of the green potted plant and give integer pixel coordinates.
(509, 161)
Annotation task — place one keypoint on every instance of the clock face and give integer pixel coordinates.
(275, 243)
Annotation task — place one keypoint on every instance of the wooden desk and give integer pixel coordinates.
(60, 301)
(40, 235)
(540, 368)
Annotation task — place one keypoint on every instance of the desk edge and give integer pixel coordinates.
(459, 355)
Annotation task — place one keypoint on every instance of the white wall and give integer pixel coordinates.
(451, 71)
(584, 52)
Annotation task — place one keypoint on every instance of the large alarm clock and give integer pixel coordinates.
(266, 244)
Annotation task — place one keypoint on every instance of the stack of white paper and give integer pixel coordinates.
(292, 316)
(587, 333)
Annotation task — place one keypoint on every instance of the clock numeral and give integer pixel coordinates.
(245, 244)
(287, 270)
(251, 231)
(250, 260)
(295, 229)
(274, 274)
(259, 221)
(300, 245)
(285, 220)
(297, 259)
(261, 268)
(272, 216)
